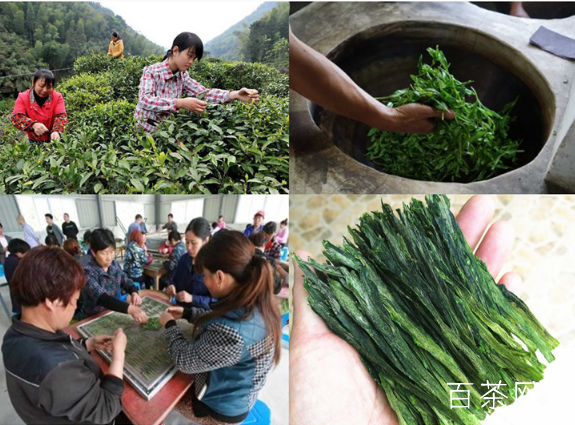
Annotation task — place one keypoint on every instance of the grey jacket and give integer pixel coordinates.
(56, 231)
(52, 379)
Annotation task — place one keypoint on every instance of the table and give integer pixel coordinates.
(155, 270)
(136, 408)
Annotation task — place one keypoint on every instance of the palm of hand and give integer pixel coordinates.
(328, 382)
(343, 390)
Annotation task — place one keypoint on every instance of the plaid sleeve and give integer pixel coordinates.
(148, 99)
(217, 346)
(60, 123)
(22, 122)
(274, 251)
(193, 88)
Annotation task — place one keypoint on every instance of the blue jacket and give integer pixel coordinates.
(230, 357)
(185, 279)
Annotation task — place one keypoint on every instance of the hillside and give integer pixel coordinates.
(226, 45)
(54, 34)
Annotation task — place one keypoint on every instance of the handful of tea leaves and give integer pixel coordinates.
(423, 312)
(153, 324)
(474, 146)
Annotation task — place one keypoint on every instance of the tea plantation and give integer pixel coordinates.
(233, 148)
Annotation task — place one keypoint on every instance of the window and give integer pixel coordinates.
(186, 211)
(126, 212)
(33, 208)
(276, 207)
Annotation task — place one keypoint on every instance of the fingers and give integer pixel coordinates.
(302, 312)
(512, 282)
(474, 218)
(496, 246)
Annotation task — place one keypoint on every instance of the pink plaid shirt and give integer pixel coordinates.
(159, 90)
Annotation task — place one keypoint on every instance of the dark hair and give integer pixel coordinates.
(214, 225)
(175, 235)
(71, 247)
(16, 246)
(46, 273)
(284, 222)
(259, 239)
(138, 216)
(101, 239)
(67, 214)
(270, 227)
(221, 216)
(200, 227)
(87, 236)
(115, 34)
(171, 215)
(51, 240)
(50, 216)
(184, 41)
(233, 253)
(137, 236)
(47, 75)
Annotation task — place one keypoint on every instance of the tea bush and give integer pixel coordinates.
(233, 148)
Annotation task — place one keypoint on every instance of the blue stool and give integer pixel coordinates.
(284, 253)
(285, 330)
(123, 297)
(2, 270)
(259, 415)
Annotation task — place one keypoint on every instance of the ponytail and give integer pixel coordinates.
(234, 254)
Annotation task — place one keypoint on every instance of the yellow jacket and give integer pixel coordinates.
(116, 49)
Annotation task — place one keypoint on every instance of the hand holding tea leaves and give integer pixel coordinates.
(318, 79)
(184, 297)
(191, 104)
(134, 299)
(99, 342)
(328, 381)
(245, 95)
(473, 147)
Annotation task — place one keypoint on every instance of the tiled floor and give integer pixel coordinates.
(543, 254)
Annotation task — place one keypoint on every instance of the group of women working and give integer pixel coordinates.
(222, 286)
(40, 111)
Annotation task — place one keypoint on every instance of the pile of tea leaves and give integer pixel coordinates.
(153, 324)
(474, 146)
(423, 312)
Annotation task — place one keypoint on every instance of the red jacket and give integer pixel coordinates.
(27, 112)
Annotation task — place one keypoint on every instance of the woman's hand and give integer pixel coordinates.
(99, 342)
(55, 135)
(138, 315)
(119, 341)
(184, 297)
(177, 312)
(134, 299)
(39, 129)
(245, 95)
(171, 290)
(165, 317)
(191, 104)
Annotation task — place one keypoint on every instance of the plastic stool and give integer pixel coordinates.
(123, 297)
(285, 330)
(259, 415)
(284, 253)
